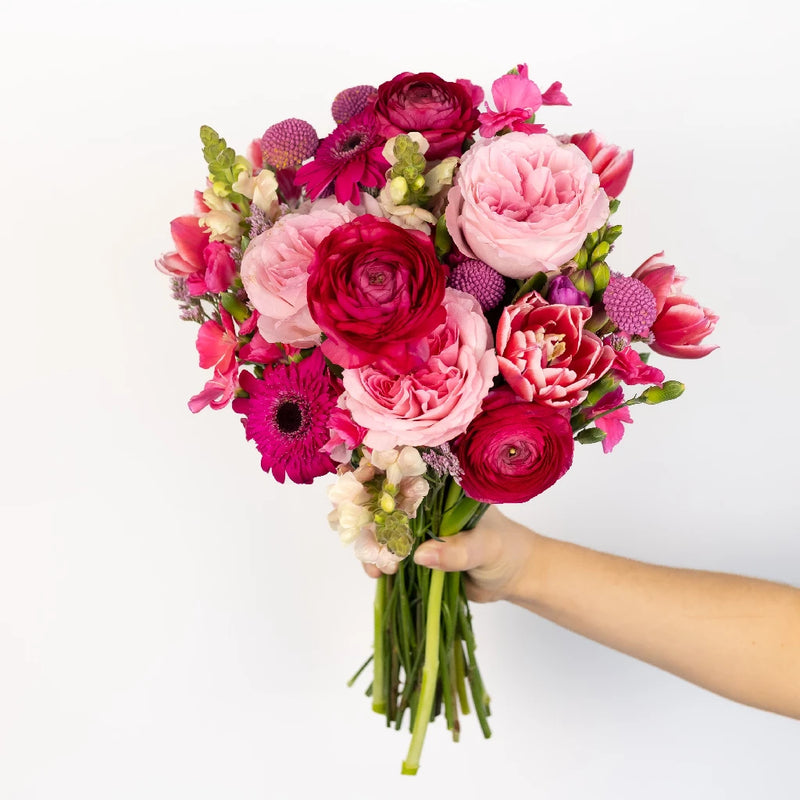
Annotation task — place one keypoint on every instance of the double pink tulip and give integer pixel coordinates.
(682, 323)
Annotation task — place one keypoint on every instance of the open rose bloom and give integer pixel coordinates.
(422, 304)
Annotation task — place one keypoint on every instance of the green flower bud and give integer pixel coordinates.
(582, 258)
(600, 390)
(583, 281)
(613, 206)
(387, 503)
(235, 307)
(601, 274)
(612, 234)
(600, 252)
(669, 391)
(591, 240)
(598, 319)
(590, 436)
(398, 189)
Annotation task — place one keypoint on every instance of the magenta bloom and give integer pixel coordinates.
(629, 368)
(350, 102)
(190, 241)
(443, 112)
(350, 156)
(288, 144)
(287, 414)
(513, 450)
(374, 288)
(517, 99)
(630, 305)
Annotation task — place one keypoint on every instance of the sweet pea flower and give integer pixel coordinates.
(517, 99)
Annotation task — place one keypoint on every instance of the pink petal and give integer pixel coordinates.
(614, 178)
(554, 96)
(190, 239)
(611, 425)
(516, 92)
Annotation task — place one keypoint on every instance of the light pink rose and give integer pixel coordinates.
(545, 354)
(437, 399)
(275, 270)
(524, 203)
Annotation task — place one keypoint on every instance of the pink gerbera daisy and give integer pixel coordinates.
(286, 414)
(350, 156)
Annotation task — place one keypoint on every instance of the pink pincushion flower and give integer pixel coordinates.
(630, 305)
(288, 143)
(287, 413)
(681, 323)
(350, 157)
(545, 354)
(517, 99)
(524, 204)
(350, 102)
(609, 162)
(436, 400)
(275, 270)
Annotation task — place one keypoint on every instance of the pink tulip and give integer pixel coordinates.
(682, 323)
(190, 240)
(609, 163)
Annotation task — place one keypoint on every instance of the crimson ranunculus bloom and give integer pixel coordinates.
(514, 450)
(373, 288)
(444, 113)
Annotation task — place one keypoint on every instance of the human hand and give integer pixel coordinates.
(495, 556)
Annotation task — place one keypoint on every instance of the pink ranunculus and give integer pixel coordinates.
(513, 450)
(444, 113)
(435, 400)
(609, 162)
(629, 368)
(275, 271)
(517, 99)
(681, 323)
(524, 203)
(374, 289)
(545, 354)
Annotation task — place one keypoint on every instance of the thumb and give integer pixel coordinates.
(458, 553)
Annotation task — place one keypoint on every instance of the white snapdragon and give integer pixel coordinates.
(223, 220)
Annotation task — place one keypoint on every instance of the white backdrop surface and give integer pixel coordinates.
(173, 623)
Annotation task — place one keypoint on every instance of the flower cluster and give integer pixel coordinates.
(434, 272)
(422, 301)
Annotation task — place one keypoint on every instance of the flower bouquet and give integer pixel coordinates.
(421, 302)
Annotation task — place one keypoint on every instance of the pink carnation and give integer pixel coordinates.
(275, 270)
(546, 355)
(436, 400)
(524, 203)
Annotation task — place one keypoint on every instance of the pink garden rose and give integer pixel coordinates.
(275, 271)
(444, 113)
(513, 450)
(609, 162)
(545, 354)
(681, 323)
(524, 203)
(435, 400)
(375, 288)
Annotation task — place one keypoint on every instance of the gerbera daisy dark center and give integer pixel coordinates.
(289, 417)
(352, 142)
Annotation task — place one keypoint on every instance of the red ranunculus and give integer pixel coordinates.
(373, 288)
(513, 450)
(444, 113)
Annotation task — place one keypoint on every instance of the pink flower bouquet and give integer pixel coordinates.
(420, 303)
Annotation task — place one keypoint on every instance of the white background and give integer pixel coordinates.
(173, 623)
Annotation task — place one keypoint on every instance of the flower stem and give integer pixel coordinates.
(379, 681)
(430, 671)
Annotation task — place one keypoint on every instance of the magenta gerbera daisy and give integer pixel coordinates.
(350, 156)
(286, 415)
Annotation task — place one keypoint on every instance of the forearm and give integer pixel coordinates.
(738, 637)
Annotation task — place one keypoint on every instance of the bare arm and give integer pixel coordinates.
(736, 636)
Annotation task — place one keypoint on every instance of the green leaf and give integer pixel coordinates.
(442, 240)
(235, 307)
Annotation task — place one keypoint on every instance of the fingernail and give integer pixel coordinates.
(427, 556)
